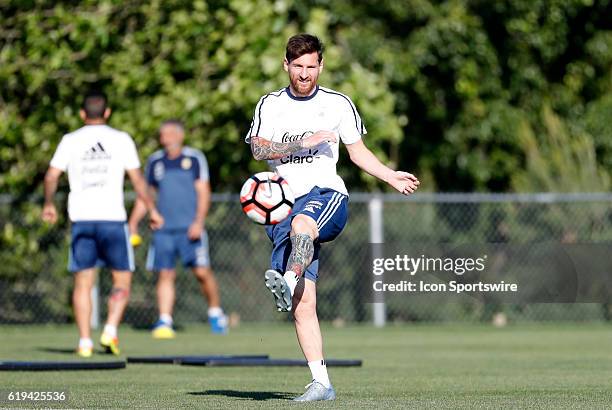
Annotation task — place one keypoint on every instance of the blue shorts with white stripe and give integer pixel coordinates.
(100, 243)
(328, 208)
(168, 245)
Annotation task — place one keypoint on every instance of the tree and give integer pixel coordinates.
(204, 62)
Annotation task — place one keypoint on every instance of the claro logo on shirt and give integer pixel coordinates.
(301, 159)
(306, 158)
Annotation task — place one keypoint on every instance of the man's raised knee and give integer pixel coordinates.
(305, 224)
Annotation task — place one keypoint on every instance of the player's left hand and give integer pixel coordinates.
(195, 231)
(404, 182)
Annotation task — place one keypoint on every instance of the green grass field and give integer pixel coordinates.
(553, 366)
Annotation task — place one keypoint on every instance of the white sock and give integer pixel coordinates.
(110, 330)
(292, 279)
(215, 311)
(166, 318)
(319, 372)
(85, 343)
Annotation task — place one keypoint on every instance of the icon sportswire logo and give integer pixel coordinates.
(96, 151)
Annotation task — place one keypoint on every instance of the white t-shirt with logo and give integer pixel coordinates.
(282, 117)
(96, 158)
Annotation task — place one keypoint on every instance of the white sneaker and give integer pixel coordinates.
(280, 290)
(315, 391)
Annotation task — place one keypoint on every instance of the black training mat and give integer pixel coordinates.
(268, 362)
(181, 359)
(46, 365)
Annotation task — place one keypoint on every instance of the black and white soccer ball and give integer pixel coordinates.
(266, 198)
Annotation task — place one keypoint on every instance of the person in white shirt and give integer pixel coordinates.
(96, 158)
(298, 130)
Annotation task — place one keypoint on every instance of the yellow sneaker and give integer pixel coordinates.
(162, 330)
(84, 351)
(110, 344)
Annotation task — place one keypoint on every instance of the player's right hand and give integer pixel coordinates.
(156, 221)
(318, 138)
(135, 239)
(49, 213)
(133, 228)
(404, 182)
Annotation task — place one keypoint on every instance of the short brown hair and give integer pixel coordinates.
(301, 44)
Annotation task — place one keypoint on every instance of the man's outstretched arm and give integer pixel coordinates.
(361, 156)
(264, 149)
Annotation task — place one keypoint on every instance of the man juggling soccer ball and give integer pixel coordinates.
(298, 130)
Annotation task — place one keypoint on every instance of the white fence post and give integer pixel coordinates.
(95, 305)
(375, 213)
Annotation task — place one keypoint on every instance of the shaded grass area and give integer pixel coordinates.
(553, 366)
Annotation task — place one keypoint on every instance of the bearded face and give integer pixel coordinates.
(303, 73)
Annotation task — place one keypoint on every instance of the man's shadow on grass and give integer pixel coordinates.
(246, 395)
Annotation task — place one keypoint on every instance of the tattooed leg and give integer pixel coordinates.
(300, 257)
(118, 294)
(301, 253)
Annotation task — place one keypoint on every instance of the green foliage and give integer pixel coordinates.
(596, 122)
(466, 74)
(559, 161)
(562, 160)
(204, 62)
(442, 87)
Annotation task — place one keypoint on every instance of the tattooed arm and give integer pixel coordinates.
(266, 149)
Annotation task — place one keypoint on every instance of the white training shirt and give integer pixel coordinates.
(96, 158)
(283, 117)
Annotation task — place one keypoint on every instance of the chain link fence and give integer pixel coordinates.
(35, 286)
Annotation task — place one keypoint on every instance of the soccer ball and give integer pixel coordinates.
(266, 198)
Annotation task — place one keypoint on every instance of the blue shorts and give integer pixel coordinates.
(328, 208)
(100, 243)
(168, 245)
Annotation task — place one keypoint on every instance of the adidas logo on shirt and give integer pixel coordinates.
(97, 151)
